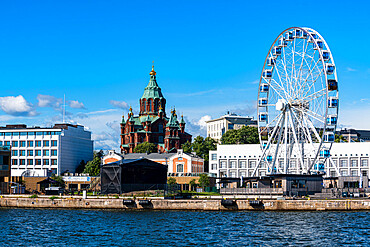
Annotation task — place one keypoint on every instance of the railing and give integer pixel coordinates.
(252, 191)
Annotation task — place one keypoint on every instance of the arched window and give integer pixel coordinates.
(180, 168)
(150, 105)
(143, 105)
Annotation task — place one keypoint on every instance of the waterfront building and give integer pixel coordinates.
(353, 135)
(179, 164)
(217, 127)
(152, 125)
(4, 169)
(132, 175)
(235, 161)
(42, 151)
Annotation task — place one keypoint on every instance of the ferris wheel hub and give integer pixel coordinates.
(281, 105)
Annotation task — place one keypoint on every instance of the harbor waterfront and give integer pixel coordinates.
(55, 227)
(181, 204)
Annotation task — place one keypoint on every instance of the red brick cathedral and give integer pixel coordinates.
(152, 125)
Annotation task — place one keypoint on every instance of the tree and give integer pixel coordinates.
(81, 167)
(201, 148)
(171, 181)
(93, 167)
(244, 135)
(203, 180)
(339, 138)
(193, 184)
(59, 180)
(145, 147)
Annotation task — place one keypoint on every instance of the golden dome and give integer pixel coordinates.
(152, 72)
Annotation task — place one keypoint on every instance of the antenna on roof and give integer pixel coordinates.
(64, 108)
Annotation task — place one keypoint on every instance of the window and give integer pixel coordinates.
(364, 173)
(252, 164)
(45, 153)
(37, 152)
(160, 139)
(22, 152)
(38, 162)
(7, 143)
(180, 168)
(364, 162)
(343, 163)
(223, 164)
(343, 172)
(293, 164)
(14, 162)
(233, 174)
(22, 143)
(54, 143)
(29, 162)
(39, 133)
(46, 143)
(180, 158)
(354, 173)
(15, 144)
(243, 174)
(1, 143)
(23, 133)
(353, 163)
(15, 153)
(29, 143)
(46, 162)
(232, 164)
(242, 164)
(214, 167)
(54, 153)
(160, 128)
(333, 173)
(29, 152)
(263, 173)
(54, 162)
(37, 143)
(22, 162)
(213, 156)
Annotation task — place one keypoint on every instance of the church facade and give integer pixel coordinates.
(152, 125)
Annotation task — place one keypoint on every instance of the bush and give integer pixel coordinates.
(34, 196)
(53, 197)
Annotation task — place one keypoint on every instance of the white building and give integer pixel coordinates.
(217, 127)
(350, 159)
(41, 151)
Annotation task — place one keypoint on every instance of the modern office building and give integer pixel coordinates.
(37, 151)
(4, 169)
(217, 127)
(235, 161)
(353, 135)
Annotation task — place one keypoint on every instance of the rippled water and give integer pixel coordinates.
(52, 227)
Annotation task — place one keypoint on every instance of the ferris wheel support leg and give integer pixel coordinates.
(296, 139)
(319, 139)
(334, 165)
(286, 143)
(267, 145)
(278, 143)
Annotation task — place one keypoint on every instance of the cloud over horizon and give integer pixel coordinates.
(17, 106)
(119, 104)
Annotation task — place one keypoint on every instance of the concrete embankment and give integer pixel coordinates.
(194, 204)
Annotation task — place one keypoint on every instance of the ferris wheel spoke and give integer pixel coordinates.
(313, 82)
(311, 68)
(311, 114)
(279, 91)
(315, 95)
(295, 136)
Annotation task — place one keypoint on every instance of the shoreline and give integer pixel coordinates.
(186, 204)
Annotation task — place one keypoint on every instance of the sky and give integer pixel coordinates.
(208, 56)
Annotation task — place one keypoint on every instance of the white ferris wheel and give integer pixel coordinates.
(297, 103)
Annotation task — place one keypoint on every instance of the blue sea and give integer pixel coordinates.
(55, 227)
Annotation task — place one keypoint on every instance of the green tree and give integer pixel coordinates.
(171, 181)
(201, 147)
(193, 184)
(93, 167)
(59, 180)
(81, 167)
(145, 147)
(339, 138)
(203, 180)
(244, 135)
(187, 148)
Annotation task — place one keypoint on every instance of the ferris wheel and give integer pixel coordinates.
(297, 103)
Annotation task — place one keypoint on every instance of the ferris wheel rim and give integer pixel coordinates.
(309, 32)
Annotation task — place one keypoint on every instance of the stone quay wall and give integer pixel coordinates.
(191, 204)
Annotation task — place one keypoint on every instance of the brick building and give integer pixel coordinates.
(152, 125)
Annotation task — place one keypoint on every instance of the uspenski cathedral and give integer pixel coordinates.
(152, 125)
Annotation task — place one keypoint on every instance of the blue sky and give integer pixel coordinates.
(208, 57)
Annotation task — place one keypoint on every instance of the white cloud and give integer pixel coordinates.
(119, 104)
(75, 104)
(49, 101)
(17, 106)
(349, 69)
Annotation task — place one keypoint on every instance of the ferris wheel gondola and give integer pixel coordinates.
(297, 103)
